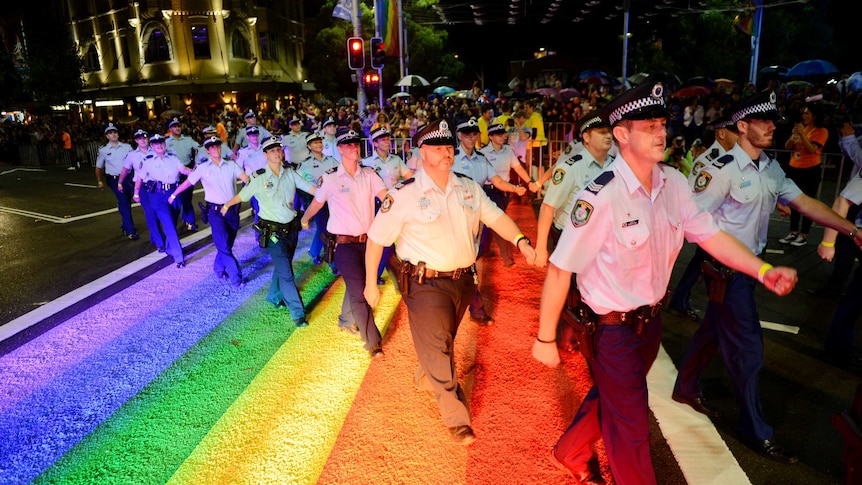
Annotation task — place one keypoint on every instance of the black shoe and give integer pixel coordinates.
(335, 271)
(463, 435)
(583, 477)
(301, 323)
(316, 260)
(133, 237)
(191, 227)
(161, 250)
(699, 404)
(375, 352)
(238, 285)
(352, 330)
(482, 319)
(772, 450)
(689, 312)
(280, 305)
(380, 282)
(181, 265)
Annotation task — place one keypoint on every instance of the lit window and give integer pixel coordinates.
(201, 41)
(157, 47)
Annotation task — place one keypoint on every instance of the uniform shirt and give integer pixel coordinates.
(741, 194)
(853, 190)
(622, 242)
(390, 169)
(414, 159)
(182, 147)
(330, 148)
(274, 193)
(135, 160)
(350, 199)
(165, 169)
(204, 156)
(251, 159)
(713, 153)
(475, 167)
(295, 148)
(502, 160)
(111, 157)
(434, 225)
(219, 181)
(312, 169)
(572, 149)
(571, 175)
(242, 137)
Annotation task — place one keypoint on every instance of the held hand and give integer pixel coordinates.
(541, 257)
(119, 187)
(546, 353)
(304, 223)
(534, 187)
(520, 190)
(783, 210)
(528, 252)
(372, 295)
(136, 198)
(171, 198)
(101, 185)
(780, 280)
(224, 210)
(826, 253)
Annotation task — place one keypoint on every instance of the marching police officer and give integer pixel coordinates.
(204, 155)
(241, 137)
(330, 148)
(274, 186)
(741, 189)
(158, 177)
(626, 229)
(436, 219)
(134, 161)
(218, 177)
(294, 143)
(350, 190)
(109, 162)
(183, 147)
(313, 169)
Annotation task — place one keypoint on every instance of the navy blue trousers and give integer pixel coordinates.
(160, 212)
(842, 331)
(283, 286)
(185, 202)
(124, 202)
(224, 228)
(350, 259)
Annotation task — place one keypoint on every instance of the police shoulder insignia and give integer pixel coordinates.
(151, 155)
(457, 151)
(697, 167)
(568, 149)
(713, 154)
(387, 203)
(581, 213)
(599, 182)
(260, 171)
(724, 160)
(572, 160)
(702, 181)
(332, 170)
(559, 174)
(403, 183)
(463, 176)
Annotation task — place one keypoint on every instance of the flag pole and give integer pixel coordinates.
(357, 32)
(755, 42)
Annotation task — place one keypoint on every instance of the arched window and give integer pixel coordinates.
(91, 60)
(239, 45)
(156, 47)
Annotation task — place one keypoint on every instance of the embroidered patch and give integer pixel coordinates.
(695, 169)
(387, 203)
(558, 176)
(702, 181)
(581, 213)
(568, 149)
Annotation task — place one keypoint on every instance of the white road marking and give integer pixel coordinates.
(82, 185)
(780, 327)
(702, 455)
(23, 170)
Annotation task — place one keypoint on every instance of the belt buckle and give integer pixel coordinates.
(624, 317)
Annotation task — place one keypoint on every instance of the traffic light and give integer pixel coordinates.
(355, 53)
(372, 81)
(378, 53)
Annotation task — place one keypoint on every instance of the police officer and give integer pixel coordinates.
(312, 170)
(241, 137)
(330, 148)
(741, 189)
(134, 161)
(626, 229)
(570, 176)
(473, 164)
(218, 177)
(203, 155)
(504, 161)
(274, 186)
(294, 143)
(350, 190)
(184, 148)
(436, 218)
(109, 165)
(725, 137)
(251, 158)
(158, 178)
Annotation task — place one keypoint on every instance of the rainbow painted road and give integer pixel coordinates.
(179, 378)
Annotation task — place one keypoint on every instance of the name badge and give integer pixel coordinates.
(630, 223)
(424, 203)
(745, 184)
(344, 190)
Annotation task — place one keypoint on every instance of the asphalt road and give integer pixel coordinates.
(54, 238)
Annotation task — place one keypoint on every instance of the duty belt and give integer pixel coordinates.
(341, 239)
(215, 207)
(638, 316)
(491, 188)
(421, 269)
(279, 227)
(159, 187)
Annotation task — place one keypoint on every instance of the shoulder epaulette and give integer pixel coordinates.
(403, 183)
(260, 171)
(572, 160)
(332, 170)
(462, 175)
(457, 151)
(713, 154)
(599, 182)
(151, 155)
(479, 152)
(724, 160)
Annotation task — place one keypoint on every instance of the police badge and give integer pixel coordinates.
(581, 213)
(702, 181)
(386, 204)
(558, 176)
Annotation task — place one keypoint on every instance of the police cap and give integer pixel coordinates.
(346, 136)
(313, 136)
(434, 133)
(760, 106)
(271, 142)
(378, 132)
(110, 127)
(644, 102)
(497, 129)
(469, 126)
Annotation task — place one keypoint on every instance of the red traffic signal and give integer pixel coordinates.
(356, 53)
(372, 80)
(378, 53)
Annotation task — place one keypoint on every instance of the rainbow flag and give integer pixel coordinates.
(387, 13)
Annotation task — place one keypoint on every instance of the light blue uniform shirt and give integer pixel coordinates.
(295, 148)
(502, 160)
(182, 148)
(274, 193)
(251, 159)
(571, 175)
(313, 169)
(219, 181)
(242, 136)
(476, 167)
(135, 160)
(390, 170)
(111, 158)
(165, 170)
(741, 194)
(330, 148)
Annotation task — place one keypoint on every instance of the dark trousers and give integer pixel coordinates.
(320, 232)
(185, 200)
(435, 309)
(502, 200)
(842, 331)
(160, 212)
(224, 228)
(350, 259)
(846, 254)
(616, 408)
(733, 328)
(808, 180)
(283, 287)
(682, 293)
(124, 202)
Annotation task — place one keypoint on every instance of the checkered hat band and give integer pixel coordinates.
(635, 105)
(761, 108)
(432, 135)
(590, 123)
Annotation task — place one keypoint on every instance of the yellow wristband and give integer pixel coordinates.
(518, 238)
(762, 271)
(827, 244)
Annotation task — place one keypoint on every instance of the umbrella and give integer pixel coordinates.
(171, 113)
(463, 94)
(723, 80)
(594, 80)
(797, 85)
(591, 73)
(670, 79)
(854, 82)
(617, 83)
(412, 80)
(400, 94)
(549, 92)
(443, 81)
(638, 78)
(774, 70)
(692, 91)
(128, 119)
(345, 101)
(814, 67)
(569, 93)
(444, 90)
(700, 81)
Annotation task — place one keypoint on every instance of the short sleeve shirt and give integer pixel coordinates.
(219, 181)
(135, 160)
(274, 193)
(182, 147)
(390, 170)
(165, 169)
(111, 157)
(313, 169)
(242, 137)
(502, 160)
(571, 175)
(622, 241)
(474, 167)
(350, 199)
(250, 159)
(295, 147)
